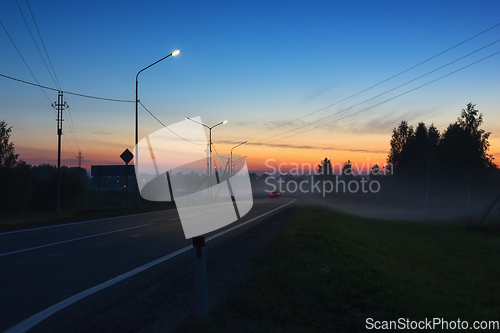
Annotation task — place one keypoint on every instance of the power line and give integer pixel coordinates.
(66, 92)
(390, 99)
(101, 98)
(152, 115)
(72, 126)
(43, 44)
(72, 129)
(218, 152)
(158, 120)
(367, 100)
(56, 81)
(19, 52)
(34, 41)
(379, 83)
(72, 152)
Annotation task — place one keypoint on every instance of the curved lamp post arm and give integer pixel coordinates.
(171, 54)
(231, 171)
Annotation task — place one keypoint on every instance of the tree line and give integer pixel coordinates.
(462, 146)
(32, 188)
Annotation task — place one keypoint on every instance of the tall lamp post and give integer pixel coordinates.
(210, 130)
(176, 52)
(200, 261)
(231, 165)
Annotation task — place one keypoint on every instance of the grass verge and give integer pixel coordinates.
(330, 271)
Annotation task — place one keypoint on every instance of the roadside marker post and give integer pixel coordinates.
(200, 274)
(172, 170)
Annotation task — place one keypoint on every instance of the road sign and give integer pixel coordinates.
(127, 156)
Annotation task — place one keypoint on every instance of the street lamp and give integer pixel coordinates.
(200, 269)
(176, 52)
(231, 165)
(239, 159)
(210, 130)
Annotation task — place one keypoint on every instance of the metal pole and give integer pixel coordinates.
(100, 198)
(170, 187)
(137, 115)
(208, 172)
(59, 133)
(136, 156)
(488, 209)
(200, 275)
(210, 179)
(126, 185)
(468, 186)
(231, 171)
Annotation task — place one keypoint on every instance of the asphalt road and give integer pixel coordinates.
(41, 267)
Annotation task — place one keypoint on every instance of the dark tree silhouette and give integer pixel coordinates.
(376, 171)
(8, 156)
(399, 138)
(432, 145)
(347, 169)
(15, 177)
(464, 144)
(325, 167)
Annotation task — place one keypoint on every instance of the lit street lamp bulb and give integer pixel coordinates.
(176, 52)
(225, 121)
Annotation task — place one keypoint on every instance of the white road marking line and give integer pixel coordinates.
(72, 240)
(242, 224)
(32, 321)
(178, 218)
(219, 210)
(134, 236)
(75, 223)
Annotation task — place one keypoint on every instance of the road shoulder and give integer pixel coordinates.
(170, 304)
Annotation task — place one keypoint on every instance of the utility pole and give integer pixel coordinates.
(80, 158)
(60, 106)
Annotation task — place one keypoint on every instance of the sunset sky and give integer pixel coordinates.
(257, 64)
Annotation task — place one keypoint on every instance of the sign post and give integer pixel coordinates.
(126, 156)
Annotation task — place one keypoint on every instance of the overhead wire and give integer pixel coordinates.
(34, 41)
(377, 84)
(387, 100)
(73, 130)
(56, 80)
(381, 94)
(72, 152)
(64, 91)
(43, 44)
(19, 52)
(158, 120)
